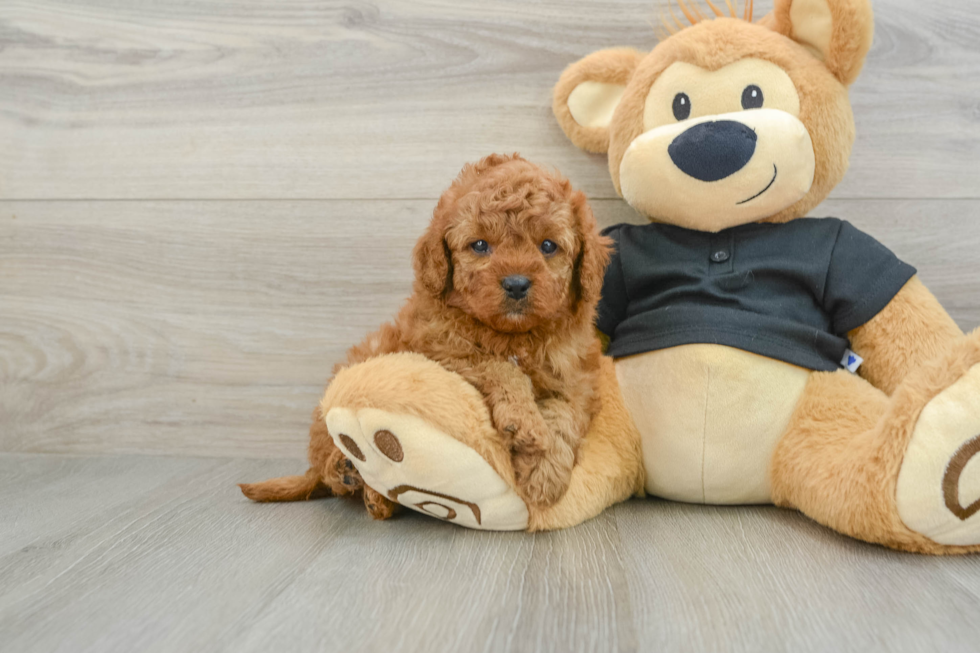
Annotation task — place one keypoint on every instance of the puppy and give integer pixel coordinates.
(507, 278)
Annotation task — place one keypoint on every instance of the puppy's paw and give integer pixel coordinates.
(543, 475)
(525, 430)
(340, 475)
(378, 505)
(348, 475)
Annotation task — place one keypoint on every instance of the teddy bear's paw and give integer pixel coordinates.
(410, 461)
(938, 491)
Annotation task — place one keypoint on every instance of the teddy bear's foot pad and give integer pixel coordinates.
(938, 491)
(421, 467)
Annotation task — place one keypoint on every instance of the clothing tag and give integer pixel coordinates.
(851, 361)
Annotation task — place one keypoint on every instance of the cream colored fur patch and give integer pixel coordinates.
(709, 418)
(592, 104)
(940, 476)
(412, 462)
(813, 25)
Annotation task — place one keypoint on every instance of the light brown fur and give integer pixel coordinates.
(839, 460)
(913, 328)
(851, 36)
(535, 360)
(614, 66)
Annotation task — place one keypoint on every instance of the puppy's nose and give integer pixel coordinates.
(516, 286)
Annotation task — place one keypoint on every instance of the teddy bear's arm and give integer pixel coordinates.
(912, 328)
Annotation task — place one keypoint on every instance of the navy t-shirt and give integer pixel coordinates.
(786, 291)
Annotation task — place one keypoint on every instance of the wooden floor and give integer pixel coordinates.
(139, 553)
(204, 203)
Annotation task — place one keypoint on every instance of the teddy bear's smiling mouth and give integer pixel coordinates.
(775, 172)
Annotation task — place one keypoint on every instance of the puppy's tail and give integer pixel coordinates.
(287, 488)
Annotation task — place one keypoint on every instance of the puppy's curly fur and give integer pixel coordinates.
(535, 357)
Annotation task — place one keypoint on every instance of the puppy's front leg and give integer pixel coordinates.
(548, 472)
(509, 394)
(542, 456)
(506, 390)
(567, 421)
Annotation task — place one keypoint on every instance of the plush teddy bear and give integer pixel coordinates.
(764, 356)
(758, 356)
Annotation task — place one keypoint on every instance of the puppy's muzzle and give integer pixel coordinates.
(516, 286)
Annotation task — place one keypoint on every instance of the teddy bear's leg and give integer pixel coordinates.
(901, 470)
(421, 435)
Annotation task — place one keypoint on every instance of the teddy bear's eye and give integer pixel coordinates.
(752, 97)
(682, 106)
(480, 246)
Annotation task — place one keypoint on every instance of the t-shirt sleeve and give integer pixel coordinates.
(864, 276)
(612, 306)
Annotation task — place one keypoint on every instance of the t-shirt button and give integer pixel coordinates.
(720, 256)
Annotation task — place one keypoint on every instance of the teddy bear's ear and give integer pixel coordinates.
(588, 92)
(838, 32)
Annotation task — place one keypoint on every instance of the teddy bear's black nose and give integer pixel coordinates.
(713, 150)
(516, 286)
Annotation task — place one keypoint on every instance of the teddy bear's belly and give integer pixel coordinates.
(709, 417)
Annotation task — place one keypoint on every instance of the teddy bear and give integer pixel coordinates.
(765, 356)
(755, 355)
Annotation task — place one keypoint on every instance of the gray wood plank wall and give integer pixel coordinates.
(203, 204)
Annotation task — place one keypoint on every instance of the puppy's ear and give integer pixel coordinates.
(588, 93)
(838, 32)
(432, 259)
(590, 265)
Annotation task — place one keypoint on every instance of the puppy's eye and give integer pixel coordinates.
(549, 247)
(682, 106)
(752, 97)
(480, 247)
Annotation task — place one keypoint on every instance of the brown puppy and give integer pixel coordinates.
(507, 278)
